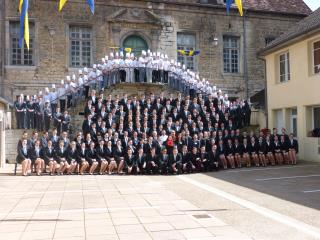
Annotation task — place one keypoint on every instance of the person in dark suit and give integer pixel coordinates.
(270, 150)
(37, 158)
(277, 150)
(230, 153)
(245, 153)
(81, 158)
(254, 151)
(91, 156)
(24, 157)
(203, 164)
(66, 119)
(102, 157)
(284, 147)
(164, 161)
(293, 149)
(140, 160)
(118, 157)
(262, 152)
(49, 155)
(72, 155)
(153, 164)
(47, 116)
(175, 162)
(193, 160)
(222, 154)
(237, 152)
(61, 156)
(86, 126)
(213, 158)
(130, 164)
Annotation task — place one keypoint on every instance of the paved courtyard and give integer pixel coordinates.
(270, 203)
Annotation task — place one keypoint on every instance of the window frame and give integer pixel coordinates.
(80, 39)
(23, 51)
(230, 49)
(287, 68)
(313, 108)
(313, 62)
(187, 60)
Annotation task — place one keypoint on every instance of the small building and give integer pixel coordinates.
(293, 84)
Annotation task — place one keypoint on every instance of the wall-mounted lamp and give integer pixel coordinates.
(214, 40)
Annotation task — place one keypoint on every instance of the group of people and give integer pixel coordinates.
(156, 135)
(41, 110)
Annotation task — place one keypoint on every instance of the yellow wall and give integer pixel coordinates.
(301, 92)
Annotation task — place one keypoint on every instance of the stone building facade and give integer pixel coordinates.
(64, 41)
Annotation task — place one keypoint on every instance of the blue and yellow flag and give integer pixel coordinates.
(91, 5)
(239, 5)
(24, 23)
(182, 52)
(128, 50)
(228, 5)
(61, 4)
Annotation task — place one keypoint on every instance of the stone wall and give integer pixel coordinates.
(158, 23)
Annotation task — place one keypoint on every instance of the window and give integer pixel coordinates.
(186, 42)
(316, 117)
(293, 122)
(268, 40)
(231, 52)
(284, 67)
(21, 56)
(80, 46)
(316, 57)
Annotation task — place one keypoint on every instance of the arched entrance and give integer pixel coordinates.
(136, 43)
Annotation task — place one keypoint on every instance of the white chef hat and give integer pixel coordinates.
(143, 52)
(46, 89)
(40, 92)
(85, 70)
(179, 64)
(214, 88)
(203, 79)
(62, 82)
(162, 56)
(121, 54)
(207, 82)
(53, 86)
(34, 96)
(68, 78)
(80, 71)
(132, 55)
(166, 56)
(106, 57)
(184, 67)
(111, 54)
(28, 97)
(158, 54)
(103, 60)
(149, 51)
(94, 66)
(172, 61)
(127, 55)
(219, 91)
(73, 77)
(117, 54)
(226, 95)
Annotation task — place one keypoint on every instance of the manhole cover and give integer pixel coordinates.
(199, 216)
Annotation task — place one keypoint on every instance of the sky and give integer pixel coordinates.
(313, 4)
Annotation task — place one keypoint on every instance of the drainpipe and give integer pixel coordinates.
(265, 91)
(245, 63)
(2, 48)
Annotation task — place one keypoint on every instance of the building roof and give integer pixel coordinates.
(287, 6)
(306, 26)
